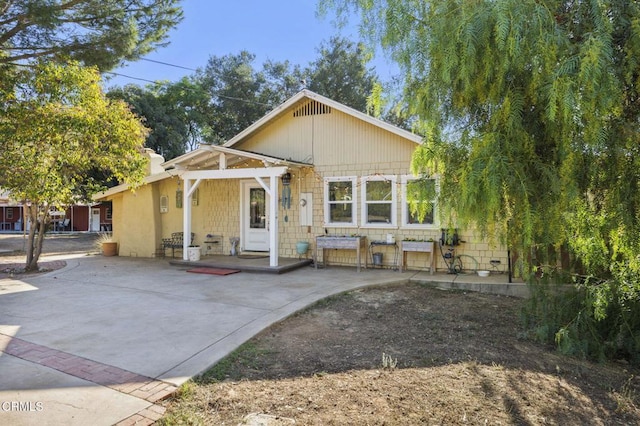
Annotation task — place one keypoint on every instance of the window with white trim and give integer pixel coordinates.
(379, 201)
(340, 201)
(419, 199)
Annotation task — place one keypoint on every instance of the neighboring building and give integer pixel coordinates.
(78, 218)
(10, 213)
(311, 167)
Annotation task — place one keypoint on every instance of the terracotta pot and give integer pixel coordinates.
(110, 249)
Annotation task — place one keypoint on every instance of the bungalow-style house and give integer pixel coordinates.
(310, 168)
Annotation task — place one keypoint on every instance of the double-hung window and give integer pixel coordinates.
(419, 209)
(379, 201)
(340, 201)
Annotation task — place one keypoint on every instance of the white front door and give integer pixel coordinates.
(254, 217)
(95, 220)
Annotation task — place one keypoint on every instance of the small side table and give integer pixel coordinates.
(213, 244)
(375, 243)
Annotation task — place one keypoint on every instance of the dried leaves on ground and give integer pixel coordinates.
(449, 358)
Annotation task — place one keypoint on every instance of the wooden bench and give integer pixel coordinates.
(175, 242)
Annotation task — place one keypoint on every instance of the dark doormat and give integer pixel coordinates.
(213, 271)
(252, 256)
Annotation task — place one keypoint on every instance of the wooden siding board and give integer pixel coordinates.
(329, 139)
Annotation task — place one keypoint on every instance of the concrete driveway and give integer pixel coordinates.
(103, 339)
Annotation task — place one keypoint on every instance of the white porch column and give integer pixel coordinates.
(186, 218)
(273, 228)
(258, 174)
(272, 191)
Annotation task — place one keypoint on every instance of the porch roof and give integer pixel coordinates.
(212, 157)
(209, 158)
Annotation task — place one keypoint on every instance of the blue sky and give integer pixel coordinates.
(278, 30)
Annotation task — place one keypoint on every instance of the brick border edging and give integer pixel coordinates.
(115, 378)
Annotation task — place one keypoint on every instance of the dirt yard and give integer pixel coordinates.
(406, 355)
(12, 250)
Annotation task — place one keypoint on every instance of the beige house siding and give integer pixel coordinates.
(334, 140)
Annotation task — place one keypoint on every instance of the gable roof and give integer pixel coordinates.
(304, 95)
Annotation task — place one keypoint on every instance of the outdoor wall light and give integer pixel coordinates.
(286, 178)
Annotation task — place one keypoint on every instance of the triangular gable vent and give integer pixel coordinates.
(312, 108)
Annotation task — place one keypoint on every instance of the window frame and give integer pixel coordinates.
(405, 179)
(364, 208)
(327, 203)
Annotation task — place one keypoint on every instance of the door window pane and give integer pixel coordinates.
(257, 219)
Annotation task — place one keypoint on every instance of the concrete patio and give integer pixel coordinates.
(103, 339)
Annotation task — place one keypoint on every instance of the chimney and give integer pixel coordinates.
(155, 162)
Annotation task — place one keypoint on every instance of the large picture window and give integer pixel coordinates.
(419, 209)
(340, 201)
(379, 201)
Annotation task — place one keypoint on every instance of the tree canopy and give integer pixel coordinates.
(231, 92)
(531, 113)
(57, 132)
(340, 73)
(94, 32)
(174, 113)
(239, 93)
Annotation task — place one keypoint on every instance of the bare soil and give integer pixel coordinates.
(461, 359)
(13, 256)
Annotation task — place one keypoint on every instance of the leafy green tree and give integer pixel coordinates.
(57, 129)
(175, 114)
(94, 32)
(340, 73)
(190, 99)
(240, 94)
(166, 131)
(531, 114)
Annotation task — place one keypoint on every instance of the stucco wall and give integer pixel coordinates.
(135, 221)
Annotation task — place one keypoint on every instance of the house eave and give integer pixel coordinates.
(124, 187)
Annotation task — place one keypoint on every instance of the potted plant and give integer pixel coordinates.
(106, 244)
(193, 253)
(302, 247)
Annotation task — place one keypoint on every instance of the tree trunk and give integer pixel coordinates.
(39, 218)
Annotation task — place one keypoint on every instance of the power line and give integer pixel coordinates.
(117, 74)
(166, 81)
(168, 64)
